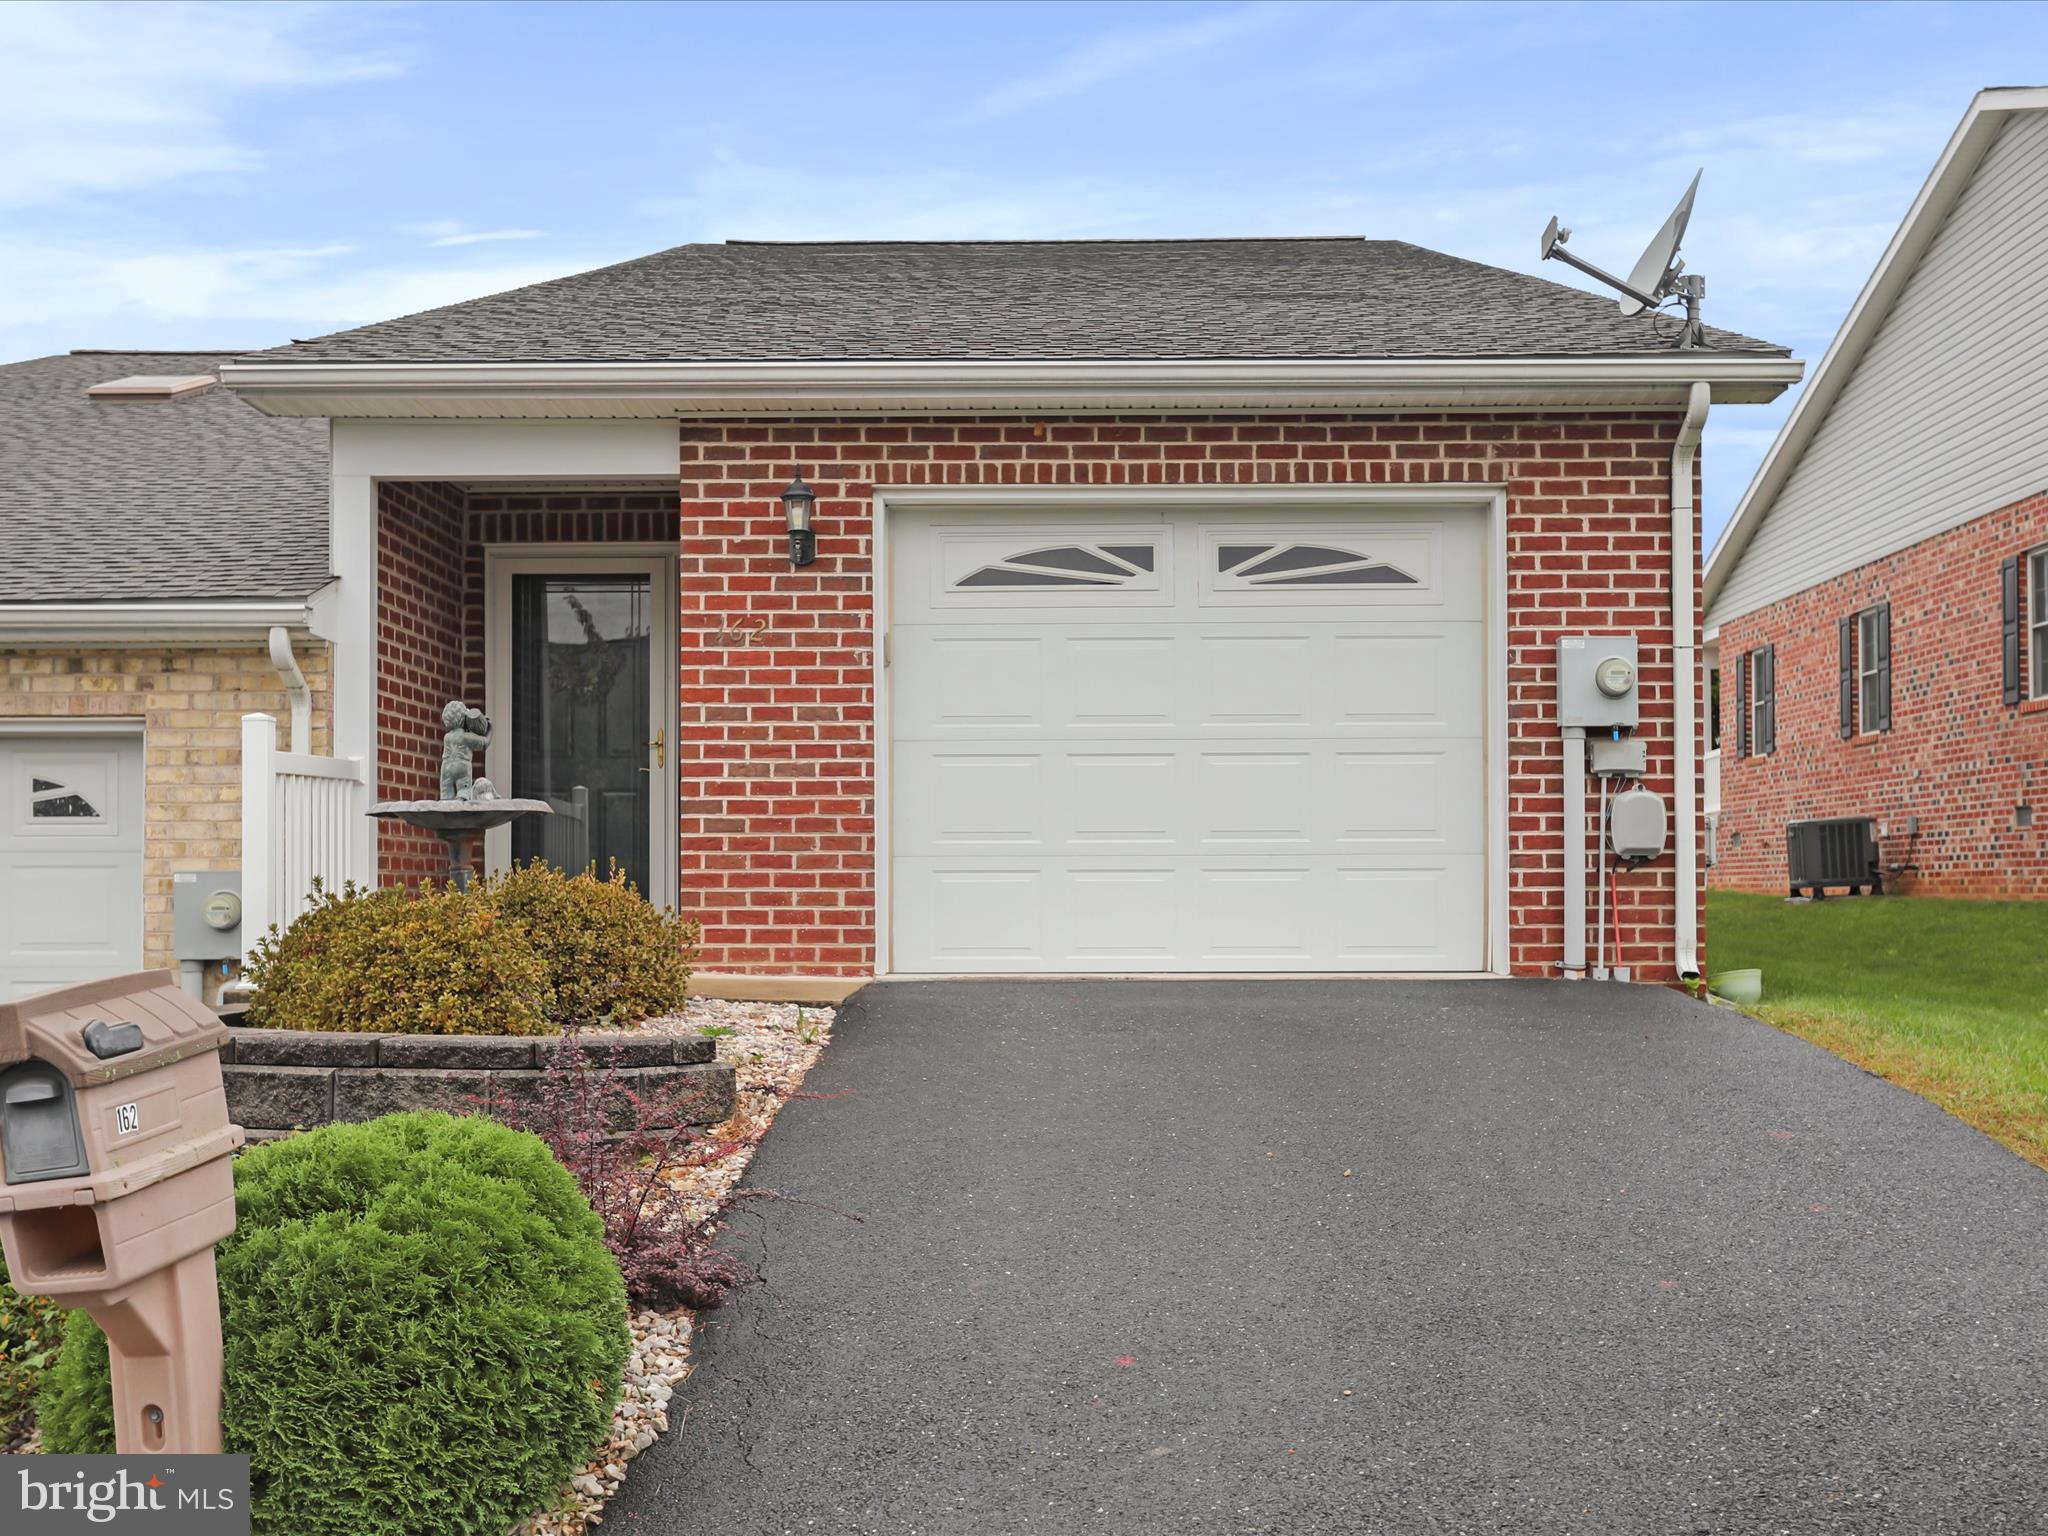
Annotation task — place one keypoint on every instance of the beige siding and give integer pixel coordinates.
(1942, 420)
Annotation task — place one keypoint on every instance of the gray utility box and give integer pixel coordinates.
(1596, 682)
(206, 912)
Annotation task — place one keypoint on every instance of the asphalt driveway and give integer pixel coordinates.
(1370, 1257)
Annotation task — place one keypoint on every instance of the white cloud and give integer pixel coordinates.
(486, 236)
(102, 98)
(440, 233)
(1117, 54)
(65, 296)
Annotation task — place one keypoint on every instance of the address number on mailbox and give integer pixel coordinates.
(127, 1119)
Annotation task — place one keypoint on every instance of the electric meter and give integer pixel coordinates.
(1615, 676)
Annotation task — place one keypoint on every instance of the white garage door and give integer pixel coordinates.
(70, 859)
(1188, 741)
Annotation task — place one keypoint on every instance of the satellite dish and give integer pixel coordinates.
(1657, 274)
(1656, 270)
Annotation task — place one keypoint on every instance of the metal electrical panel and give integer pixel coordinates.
(206, 907)
(1596, 682)
(1623, 759)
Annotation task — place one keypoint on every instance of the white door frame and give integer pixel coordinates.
(657, 562)
(1492, 500)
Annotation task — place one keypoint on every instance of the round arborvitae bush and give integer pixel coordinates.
(424, 1331)
(610, 956)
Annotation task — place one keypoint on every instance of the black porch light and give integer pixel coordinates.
(798, 502)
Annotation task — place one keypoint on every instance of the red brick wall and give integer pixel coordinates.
(420, 661)
(776, 699)
(1957, 757)
(776, 707)
(431, 542)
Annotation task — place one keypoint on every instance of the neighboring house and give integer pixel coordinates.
(1179, 606)
(154, 538)
(1878, 607)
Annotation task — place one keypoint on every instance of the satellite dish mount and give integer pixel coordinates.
(1657, 276)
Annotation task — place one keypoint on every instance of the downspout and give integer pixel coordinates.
(294, 680)
(1685, 714)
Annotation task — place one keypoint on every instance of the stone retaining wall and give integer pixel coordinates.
(286, 1079)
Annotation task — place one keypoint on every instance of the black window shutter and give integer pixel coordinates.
(2009, 604)
(1883, 722)
(1767, 695)
(1847, 635)
(1742, 705)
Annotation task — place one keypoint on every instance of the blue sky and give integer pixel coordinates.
(234, 176)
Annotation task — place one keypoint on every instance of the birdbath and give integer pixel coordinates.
(467, 806)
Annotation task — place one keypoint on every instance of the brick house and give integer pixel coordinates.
(1877, 610)
(162, 554)
(1179, 606)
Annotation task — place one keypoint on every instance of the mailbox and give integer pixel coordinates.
(116, 1182)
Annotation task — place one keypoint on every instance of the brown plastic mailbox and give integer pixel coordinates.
(116, 1182)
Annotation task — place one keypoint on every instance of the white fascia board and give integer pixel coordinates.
(52, 624)
(411, 389)
(1945, 184)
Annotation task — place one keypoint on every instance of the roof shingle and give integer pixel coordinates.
(187, 499)
(1103, 300)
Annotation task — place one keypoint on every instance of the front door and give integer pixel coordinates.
(582, 651)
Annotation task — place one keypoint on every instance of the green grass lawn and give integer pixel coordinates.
(1947, 998)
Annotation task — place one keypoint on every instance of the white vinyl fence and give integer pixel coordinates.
(299, 819)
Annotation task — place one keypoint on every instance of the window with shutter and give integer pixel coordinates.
(1742, 736)
(2009, 635)
(1884, 667)
(1845, 640)
(1873, 668)
(1767, 738)
(2037, 623)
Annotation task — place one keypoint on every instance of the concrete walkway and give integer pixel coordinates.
(1364, 1257)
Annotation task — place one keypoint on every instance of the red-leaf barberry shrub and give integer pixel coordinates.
(626, 1150)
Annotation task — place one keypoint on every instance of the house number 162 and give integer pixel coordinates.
(127, 1119)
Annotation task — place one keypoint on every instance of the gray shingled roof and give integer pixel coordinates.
(748, 301)
(161, 499)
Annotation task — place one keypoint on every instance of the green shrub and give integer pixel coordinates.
(609, 955)
(438, 962)
(525, 953)
(424, 1331)
(31, 1328)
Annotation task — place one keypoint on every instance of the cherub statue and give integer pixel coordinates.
(466, 732)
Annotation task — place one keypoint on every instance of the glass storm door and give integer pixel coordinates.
(582, 690)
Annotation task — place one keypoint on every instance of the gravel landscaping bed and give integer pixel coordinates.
(770, 1046)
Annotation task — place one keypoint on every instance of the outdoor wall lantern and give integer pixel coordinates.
(798, 502)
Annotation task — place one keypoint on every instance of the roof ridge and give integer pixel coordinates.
(157, 351)
(1093, 240)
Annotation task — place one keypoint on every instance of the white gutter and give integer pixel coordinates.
(295, 688)
(336, 389)
(1685, 667)
(125, 623)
